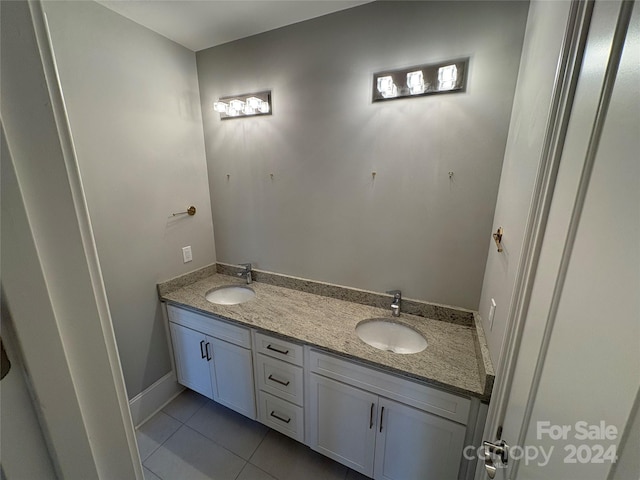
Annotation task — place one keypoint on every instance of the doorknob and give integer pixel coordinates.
(500, 449)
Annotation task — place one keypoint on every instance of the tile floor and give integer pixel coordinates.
(194, 438)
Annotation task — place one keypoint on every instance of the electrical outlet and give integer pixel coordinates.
(492, 313)
(186, 254)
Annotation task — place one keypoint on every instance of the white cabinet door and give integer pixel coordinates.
(192, 365)
(232, 377)
(416, 444)
(343, 423)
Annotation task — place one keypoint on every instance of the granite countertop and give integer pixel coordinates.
(455, 358)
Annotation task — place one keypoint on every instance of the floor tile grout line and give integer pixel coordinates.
(159, 444)
(213, 441)
(241, 470)
(158, 447)
(220, 445)
(258, 468)
(258, 446)
(189, 418)
(201, 435)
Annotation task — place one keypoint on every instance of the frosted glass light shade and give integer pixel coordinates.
(254, 102)
(220, 107)
(415, 82)
(386, 87)
(447, 77)
(236, 105)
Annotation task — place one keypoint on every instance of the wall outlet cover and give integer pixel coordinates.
(492, 313)
(186, 254)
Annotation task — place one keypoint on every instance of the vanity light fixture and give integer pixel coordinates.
(247, 105)
(443, 77)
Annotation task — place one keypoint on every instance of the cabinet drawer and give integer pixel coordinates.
(281, 416)
(420, 396)
(280, 379)
(277, 348)
(210, 326)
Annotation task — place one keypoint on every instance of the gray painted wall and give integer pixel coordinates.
(322, 215)
(134, 108)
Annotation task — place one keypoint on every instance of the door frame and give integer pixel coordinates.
(565, 83)
(72, 334)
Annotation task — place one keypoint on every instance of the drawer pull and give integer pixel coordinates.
(274, 415)
(371, 417)
(283, 352)
(274, 379)
(202, 349)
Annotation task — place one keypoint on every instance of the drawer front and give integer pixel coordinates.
(417, 395)
(280, 349)
(213, 327)
(281, 416)
(280, 379)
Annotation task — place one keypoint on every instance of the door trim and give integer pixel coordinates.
(624, 18)
(565, 83)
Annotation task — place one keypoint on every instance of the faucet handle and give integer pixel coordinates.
(395, 293)
(246, 273)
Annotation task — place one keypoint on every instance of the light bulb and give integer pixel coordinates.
(237, 105)
(447, 77)
(386, 87)
(220, 107)
(232, 112)
(254, 102)
(415, 82)
(264, 107)
(248, 110)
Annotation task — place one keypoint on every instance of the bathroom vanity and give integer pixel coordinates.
(292, 360)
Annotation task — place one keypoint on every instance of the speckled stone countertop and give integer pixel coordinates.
(455, 359)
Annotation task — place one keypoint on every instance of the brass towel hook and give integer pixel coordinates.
(498, 238)
(191, 211)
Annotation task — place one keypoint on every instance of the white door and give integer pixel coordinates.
(232, 377)
(192, 357)
(343, 423)
(416, 444)
(576, 374)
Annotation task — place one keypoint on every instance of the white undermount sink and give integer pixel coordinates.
(386, 334)
(230, 295)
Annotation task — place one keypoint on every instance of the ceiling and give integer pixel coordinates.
(199, 24)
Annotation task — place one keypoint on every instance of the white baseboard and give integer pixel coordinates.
(148, 402)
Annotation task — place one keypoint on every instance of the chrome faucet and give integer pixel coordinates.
(246, 273)
(395, 305)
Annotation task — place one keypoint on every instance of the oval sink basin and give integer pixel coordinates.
(385, 334)
(230, 295)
